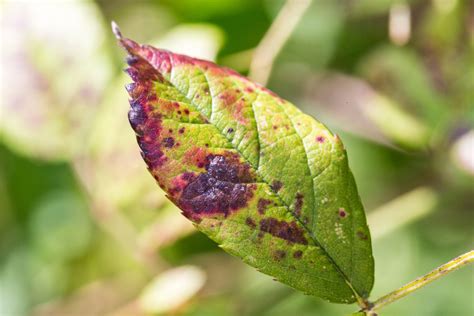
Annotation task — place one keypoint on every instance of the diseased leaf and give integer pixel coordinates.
(268, 183)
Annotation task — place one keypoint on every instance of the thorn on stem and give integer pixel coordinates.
(116, 30)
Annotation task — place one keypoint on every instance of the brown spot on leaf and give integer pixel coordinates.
(276, 185)
(298, 204)
(262, 205)
(298, 254)
(320, 139)
(226, 186)
(250, 222)
(342, 213)
(181, 130)
(168, 142)
(180, 182)
(284, 230)
(238, 111)
(197, 156)
(279, 254)
(361, 235)
(228, 97)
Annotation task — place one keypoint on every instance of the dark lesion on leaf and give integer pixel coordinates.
(289, 231)
(279, 254)
(298, 254)
(228, 97)
(276, 185)
(168, 142)
(226, 186)
(250, 222)
(262, 205)
(298, 204)
(361, 235)
(146, 123)
(342, 213)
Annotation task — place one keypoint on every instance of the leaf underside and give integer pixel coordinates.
(265, 181)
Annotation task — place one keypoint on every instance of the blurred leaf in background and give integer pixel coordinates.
(49, 94)
(84, 230)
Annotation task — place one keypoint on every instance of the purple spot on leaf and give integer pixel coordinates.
(250, 222)
(276, 186)
(284, 230)
(298, 254)
(168, 142)
(298, 204)
(226, 186)
(320, 139)
(262, 205)
(279, 255)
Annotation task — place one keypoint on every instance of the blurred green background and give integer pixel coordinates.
(84, 230)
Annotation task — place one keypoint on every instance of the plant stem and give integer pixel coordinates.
(412, 286)
(275, 38)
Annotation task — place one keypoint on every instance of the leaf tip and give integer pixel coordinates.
(116, 30)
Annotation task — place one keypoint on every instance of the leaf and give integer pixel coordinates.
(268, 183)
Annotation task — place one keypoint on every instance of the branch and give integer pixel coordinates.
(276, 36)
(412, 286)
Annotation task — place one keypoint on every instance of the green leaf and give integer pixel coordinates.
(268, 183)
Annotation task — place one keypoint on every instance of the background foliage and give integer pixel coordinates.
(84, 230)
